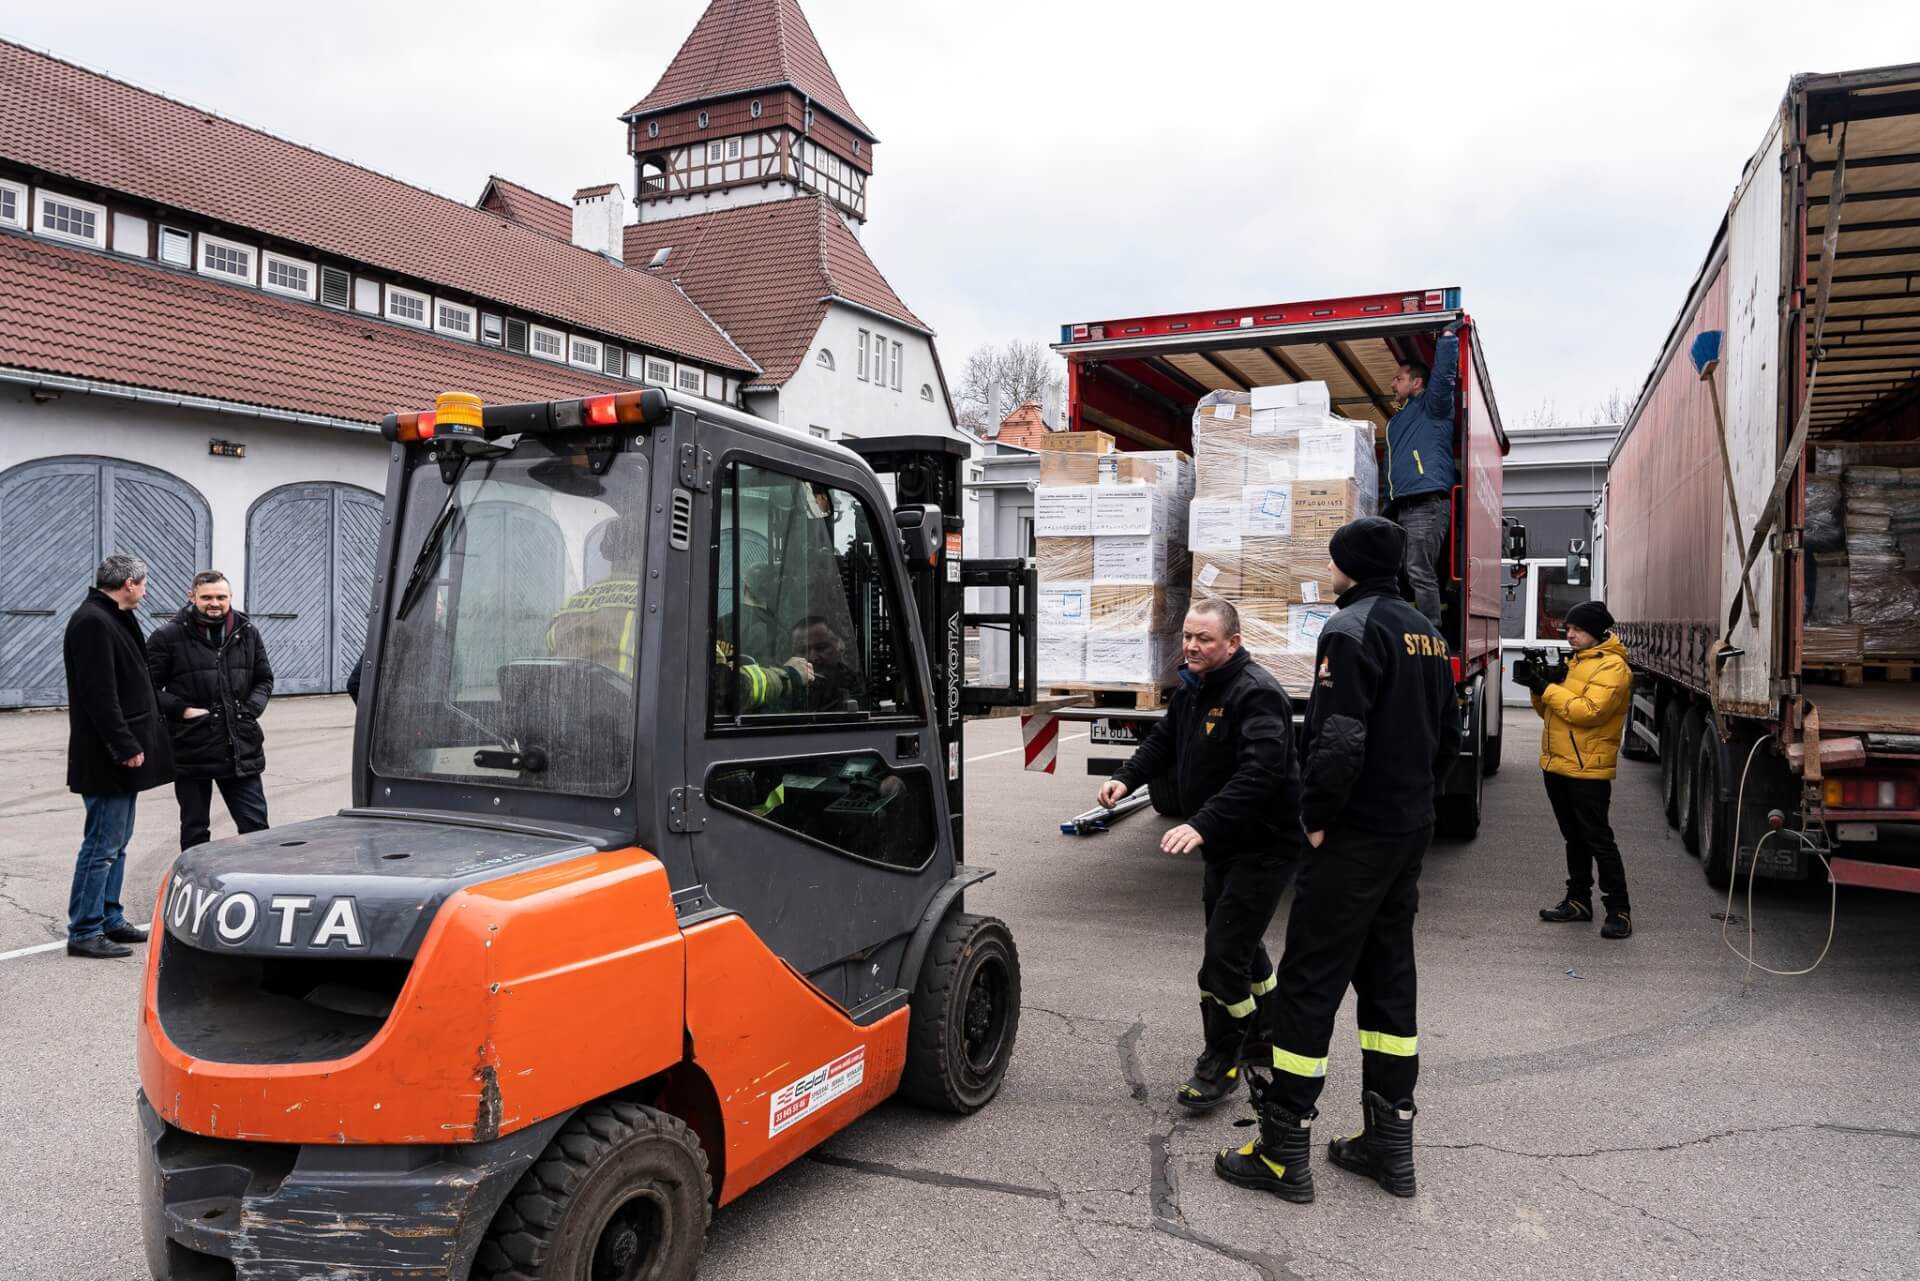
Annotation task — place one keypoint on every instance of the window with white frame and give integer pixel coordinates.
(407, 307)
(285, 275)
(819, 433)
(690, 379)
(585, 352)
(880, 360)
(893, 369)
(490, 328)
(176, 246)
(824, 359)
(130, 233)
(733, 148)
(548, 344)
(864, 335)
(926, 392)
(714, 151)
(226, 258)
(13, 203)
(454, 318)
(65, 218)
(659, 371)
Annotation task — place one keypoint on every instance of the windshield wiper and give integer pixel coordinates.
(436, 535)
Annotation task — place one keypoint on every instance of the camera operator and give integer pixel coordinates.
(1583, 705)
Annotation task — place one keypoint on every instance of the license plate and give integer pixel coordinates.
(1787, 862)
(1109, 733)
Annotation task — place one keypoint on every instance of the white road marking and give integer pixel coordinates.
(42, 947)
(1065, 738)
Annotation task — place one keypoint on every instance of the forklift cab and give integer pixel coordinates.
(656, 835)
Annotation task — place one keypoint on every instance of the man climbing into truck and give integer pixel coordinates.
(1420, 470)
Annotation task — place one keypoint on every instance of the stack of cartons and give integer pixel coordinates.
(1863, 533)
(1276, 474)
(1110, 541)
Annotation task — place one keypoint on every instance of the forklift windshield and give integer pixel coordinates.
(514, 663)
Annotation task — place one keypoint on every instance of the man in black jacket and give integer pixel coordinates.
(1383, 728)
(116, 749)
(213, 679)
(1227, 741)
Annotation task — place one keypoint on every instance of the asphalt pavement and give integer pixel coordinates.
(1648, 1108)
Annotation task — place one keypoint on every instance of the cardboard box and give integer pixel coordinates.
(1261, 568)
(1063, 560)
(1134, 608)
(1062, 467)
(1127, 509)
(1130, 558)
(1122, 469)
(1063, 511)
(1214, 524)
(1338, 449)
(1173, 469)
(1147, 658)
(1064, 607)
(1267, 510)
(1088, 442)
(1061, 657)
(1321, 507)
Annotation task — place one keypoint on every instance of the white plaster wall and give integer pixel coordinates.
(657, 209)
(838, 400)
(175, 441)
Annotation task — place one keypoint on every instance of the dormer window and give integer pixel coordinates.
(176, 247)
(453, 319)
(13, 204)
(65, 218)
(288, 276)
(659, 372)
(407, 307)
(548, 344)
(690, 379)
(489, 329)
(585, 353)
(226, 258)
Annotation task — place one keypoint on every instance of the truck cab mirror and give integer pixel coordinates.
(920, 535)
(1515, 535)
(1576, 562)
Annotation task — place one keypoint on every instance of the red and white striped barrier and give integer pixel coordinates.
(1040, 734)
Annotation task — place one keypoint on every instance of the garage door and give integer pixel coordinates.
(58, 518)
(310, 554)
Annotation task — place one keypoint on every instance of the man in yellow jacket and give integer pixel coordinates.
(1584, 713)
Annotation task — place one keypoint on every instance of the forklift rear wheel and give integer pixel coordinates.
(622, 1192)
(1166, 795)
(966, 1011)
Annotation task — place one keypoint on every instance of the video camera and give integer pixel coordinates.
(1546, 664)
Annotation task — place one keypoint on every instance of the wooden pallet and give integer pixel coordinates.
(1854, 674)
(1139, 697)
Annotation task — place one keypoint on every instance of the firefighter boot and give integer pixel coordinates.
(1217, 1070)
(1383, 1151)
(1278, 1161)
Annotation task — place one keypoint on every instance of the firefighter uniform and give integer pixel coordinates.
(1382, 729)
(1227, 742)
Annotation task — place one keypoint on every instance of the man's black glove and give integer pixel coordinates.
(1557, 674)
(1530, 678)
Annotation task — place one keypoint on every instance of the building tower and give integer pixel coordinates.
(748, 111)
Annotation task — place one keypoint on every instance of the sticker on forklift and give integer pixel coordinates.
(794, 1103)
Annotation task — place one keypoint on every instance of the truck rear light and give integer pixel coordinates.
(620, 407)
(408, 429)
(1459, 668)
(1872, 794)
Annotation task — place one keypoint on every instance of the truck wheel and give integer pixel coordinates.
(1165, 795)
(1689, 766)
(966, 1011)
(622, 1192)
(1714, 816)
(1670, 753)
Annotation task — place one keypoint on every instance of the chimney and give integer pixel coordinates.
(1050, 407)
(599, 218)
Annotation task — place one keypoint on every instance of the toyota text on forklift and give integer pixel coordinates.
(652, 879)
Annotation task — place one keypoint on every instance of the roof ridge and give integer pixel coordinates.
(820, 248)
(531, 191)
(930, 332)
(758, 368)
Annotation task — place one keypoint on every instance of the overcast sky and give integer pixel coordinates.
(1045, 162)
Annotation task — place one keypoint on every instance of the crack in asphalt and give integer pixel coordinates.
(1832, 1127)
(1130, 1066)
(54, 927)
(1626, 1205)
(937, 1178)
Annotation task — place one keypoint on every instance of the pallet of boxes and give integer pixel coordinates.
(1110, 540)
(1863, 562)
(1276, 474)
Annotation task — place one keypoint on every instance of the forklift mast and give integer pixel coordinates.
(925, 476)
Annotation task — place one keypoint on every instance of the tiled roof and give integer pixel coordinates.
(88, 315)
(68, 121)
(1023, 427)
(766, 273)
(600, 190)
(529, 208)
(749, 44)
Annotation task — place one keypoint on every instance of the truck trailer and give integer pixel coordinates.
(1797, 348)
(1140, 379)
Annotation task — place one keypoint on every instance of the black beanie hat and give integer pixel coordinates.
(1371, 547)
(1591, 617)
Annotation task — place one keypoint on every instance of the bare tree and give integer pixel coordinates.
(1616, 407)
(1543, 416)
(1020, 369)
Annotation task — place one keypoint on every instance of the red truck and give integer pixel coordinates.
(1139, 379)
(1779, 698)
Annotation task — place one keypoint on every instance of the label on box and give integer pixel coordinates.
(1269, 510)
(1213, 524)
(1327, 452)
(1225, 410)
(1207, 575)
(1062, 605)
(1304, 625)
(1280, 469)
(1129, 558)
(1310, 591)
(1123, 509)
(1062, 511)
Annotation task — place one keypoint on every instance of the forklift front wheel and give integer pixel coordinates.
(622, 1192)
(965, 1012)
(1165, 794)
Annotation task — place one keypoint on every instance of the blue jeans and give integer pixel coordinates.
(94, 906)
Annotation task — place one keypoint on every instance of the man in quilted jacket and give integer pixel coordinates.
(1584, 713)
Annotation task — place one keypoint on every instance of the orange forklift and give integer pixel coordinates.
(652, 881)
